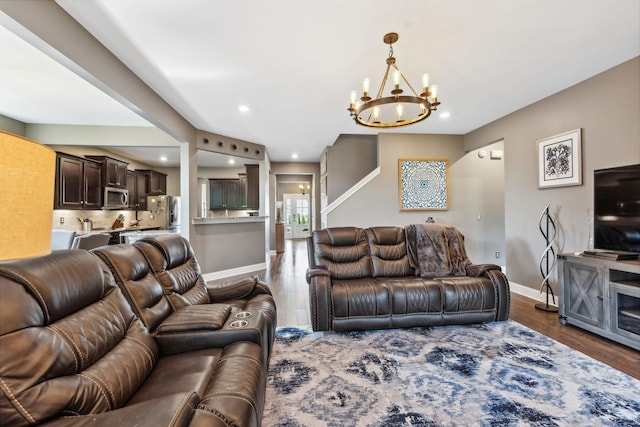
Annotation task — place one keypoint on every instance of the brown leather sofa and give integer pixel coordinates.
(394, 277)
(161, 278)
(75, 350)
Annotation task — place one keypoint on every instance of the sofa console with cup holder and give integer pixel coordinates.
(131, 335)
(398, 277)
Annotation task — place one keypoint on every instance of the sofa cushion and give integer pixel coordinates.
(138, 282)
(343, 251)
(414, 295)
(388, 251)
(176, 267)
(88, 353)
(360, 298)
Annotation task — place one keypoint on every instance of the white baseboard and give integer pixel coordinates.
(234, 272)
(531, 293)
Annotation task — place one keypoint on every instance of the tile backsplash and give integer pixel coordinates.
(101, 218)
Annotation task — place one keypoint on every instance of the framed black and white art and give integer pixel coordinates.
(560, 160)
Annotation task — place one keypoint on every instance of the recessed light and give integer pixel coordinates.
(445, 115)
(244, 108)
(231, 161)
(163, 158)
(294, 156)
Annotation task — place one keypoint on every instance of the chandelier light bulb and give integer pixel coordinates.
(366, 83)
(376, 114)
(396, 78)
(434, 91)
(399, 111)
(425, 81)
(354, 97)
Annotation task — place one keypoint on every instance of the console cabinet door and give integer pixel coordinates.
(583, 293)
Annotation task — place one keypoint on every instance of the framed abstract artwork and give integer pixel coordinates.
(423, 184)
(560, 160)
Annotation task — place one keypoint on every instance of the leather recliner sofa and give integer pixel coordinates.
(161, 278)
(74, 351)
(394, 277)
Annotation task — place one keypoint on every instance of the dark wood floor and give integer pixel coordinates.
(285, 274)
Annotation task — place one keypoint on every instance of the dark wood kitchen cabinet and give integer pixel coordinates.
(78, 183)
(137, 184)
(225, 194)
(114, 171)
(252, 187)
(157, 182)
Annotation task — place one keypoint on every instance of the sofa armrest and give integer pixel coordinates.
(320, 303)
(317, 271)
(477, 270)
(503, 293)
(237, 289)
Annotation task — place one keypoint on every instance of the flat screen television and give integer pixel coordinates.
(616, 211)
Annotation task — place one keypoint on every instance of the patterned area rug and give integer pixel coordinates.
(498, 374)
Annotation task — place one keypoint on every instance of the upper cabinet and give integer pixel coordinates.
(239, 194)
(157, 182)
(78, 183)
(114, 171)
(225, 194)
(252, 187)
(137, 184)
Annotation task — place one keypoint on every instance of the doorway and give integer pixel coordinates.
(297, 216)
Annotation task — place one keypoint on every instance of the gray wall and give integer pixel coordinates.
(474, 189)
(14, 126)
(349, 159)
(607, 108)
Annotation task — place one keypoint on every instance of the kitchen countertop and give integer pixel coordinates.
(227, 219)
(119, 230)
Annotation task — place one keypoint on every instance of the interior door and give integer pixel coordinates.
(297, 216)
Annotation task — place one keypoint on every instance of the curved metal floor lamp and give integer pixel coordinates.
(547, 259)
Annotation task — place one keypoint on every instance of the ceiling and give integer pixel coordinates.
(294, 63)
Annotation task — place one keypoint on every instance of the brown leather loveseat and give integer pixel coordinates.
(80, 341)
(394, 277)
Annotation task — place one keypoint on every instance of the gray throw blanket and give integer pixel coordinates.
(436, 250)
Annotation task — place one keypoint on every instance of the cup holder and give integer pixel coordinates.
(243, 314)
(238, 324)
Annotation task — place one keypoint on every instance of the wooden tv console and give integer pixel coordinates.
(601, 295)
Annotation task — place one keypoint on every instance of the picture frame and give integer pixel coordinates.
(423, 184)
(560, 160)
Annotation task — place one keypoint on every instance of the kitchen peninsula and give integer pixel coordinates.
(230, 245)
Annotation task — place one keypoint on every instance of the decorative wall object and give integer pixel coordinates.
(560, 160)
(547, 228)
(423, 184)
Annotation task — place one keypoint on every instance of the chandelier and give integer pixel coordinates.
(409, 109)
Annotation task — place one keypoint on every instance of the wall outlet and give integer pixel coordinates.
(61, 220)
(497, 254)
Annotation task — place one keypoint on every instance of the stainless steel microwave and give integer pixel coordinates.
(115, 198)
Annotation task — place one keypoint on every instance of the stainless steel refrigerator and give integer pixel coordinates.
(166, 209)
